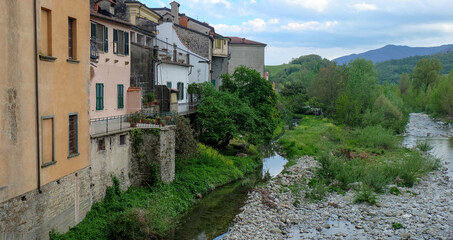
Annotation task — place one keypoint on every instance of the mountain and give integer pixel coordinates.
(390, 71)
(390, 52)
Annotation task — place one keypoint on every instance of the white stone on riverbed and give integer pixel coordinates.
(425, 211)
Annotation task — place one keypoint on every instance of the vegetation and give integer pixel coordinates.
(148, 213)
(185, 142)
(365, 159)
(244, 107)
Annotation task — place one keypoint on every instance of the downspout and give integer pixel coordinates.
(38, 165)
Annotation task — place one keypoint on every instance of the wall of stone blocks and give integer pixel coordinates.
(196, 42)
(65, 202)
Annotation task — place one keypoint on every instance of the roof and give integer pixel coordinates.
(238, 40)
(113, 19)
(182, 14)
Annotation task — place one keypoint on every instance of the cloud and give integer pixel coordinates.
(310, 25)
(364, 7)
(253, 1)
(318, 5)
(255, 25)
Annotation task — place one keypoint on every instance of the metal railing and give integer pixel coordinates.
(142, 119)
(94, 55)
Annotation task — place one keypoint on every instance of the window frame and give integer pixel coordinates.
(53, 161)
(72, 38)
(76, 138)
(120, 42)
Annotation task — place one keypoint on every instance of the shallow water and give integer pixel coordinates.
(212, 215)
(422, 128)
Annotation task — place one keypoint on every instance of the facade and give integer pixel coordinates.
(111, 68)
(248, 53)
(199, 38)
(45, 125)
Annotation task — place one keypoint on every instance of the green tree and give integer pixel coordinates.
(426, 73)
(327, 86)
(442, 96)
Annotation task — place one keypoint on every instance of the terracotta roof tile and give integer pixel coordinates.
(238, 40)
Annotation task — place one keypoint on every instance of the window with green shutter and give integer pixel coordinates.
(99, 96)
(182, 91)
(126, 43)
(169, 84)
(106, 39)
(120, 88)
(213, 82)
(115, 41)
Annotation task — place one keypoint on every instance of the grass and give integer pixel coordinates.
(369, 157)
(424, 146)
(148, 213)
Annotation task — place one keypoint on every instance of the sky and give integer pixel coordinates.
(329, 28)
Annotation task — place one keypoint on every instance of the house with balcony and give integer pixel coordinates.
(201, 39)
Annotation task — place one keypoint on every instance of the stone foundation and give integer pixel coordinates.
(64, 203)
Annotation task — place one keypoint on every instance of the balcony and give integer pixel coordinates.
(94, 54)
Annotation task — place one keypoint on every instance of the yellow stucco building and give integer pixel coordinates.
(44, 66)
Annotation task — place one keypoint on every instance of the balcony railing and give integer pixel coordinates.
(143, 119)
(94, 55)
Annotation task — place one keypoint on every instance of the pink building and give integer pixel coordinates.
(110, 68)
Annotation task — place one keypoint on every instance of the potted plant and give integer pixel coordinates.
(163, 123)
(135, 118)
(157, 120)
(148, 121)
(167, 118)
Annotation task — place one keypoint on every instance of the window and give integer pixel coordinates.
(73, 141)
(213, 82)
(120, 42)
(122, 139)
(100, 34)
(99, 96)
(46, 32)
(72, 38)
(169, 84)
(47, 140)
(218, 43)
(120, 91)
(140, 39)
(181, 91)
(149, 42)
(133, 37)
(101, 144)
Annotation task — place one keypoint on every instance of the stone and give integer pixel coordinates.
(326, 225)
(405, 235)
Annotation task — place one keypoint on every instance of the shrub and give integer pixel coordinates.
(394, 191)
(133, 224)
(424, 146)
(397, 225)
(376, 137)
(365, 194)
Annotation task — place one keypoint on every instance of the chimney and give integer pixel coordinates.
(184, 21)
(175, 11)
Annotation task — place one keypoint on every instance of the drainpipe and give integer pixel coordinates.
(38, 165)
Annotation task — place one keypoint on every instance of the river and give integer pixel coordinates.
(212, 215)
(423, 128)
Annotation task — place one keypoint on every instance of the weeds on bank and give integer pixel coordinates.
(366, 160)
(424, 146)
(148, 213)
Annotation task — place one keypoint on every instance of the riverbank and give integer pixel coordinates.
(150, 212)
(286, 206)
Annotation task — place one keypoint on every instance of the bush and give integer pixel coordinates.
(367, 195)
(133, 224)
(424, 146)
(376, 137)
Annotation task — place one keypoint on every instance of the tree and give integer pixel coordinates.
(442, 96)
(257, 93)
(327, 86)
(426, 73)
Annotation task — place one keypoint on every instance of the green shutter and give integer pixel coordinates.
(93, 31)
(120, 96)
(99, 96)
(169, 84)
(115, 41)
(106, 39)
(179, 92)
(126, 42)
(213, 82)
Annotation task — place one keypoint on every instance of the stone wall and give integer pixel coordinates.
(61, 205)
(196, 42)
(219, 67)
(65, 202)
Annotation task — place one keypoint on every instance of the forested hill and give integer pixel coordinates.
(391, 70)
(390, 52)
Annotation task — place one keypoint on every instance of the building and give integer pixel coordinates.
(246, 52)
(110, 65)
(199, 38)
(45, 121)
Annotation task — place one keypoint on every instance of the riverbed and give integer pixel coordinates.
(422, 212)
(211, 217)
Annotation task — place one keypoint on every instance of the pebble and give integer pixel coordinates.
(424, 211)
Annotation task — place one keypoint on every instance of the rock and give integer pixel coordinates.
(359, 226)
(326, 225)
(241, 155)
(318, 228)
(276, 230)
(405, 235)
